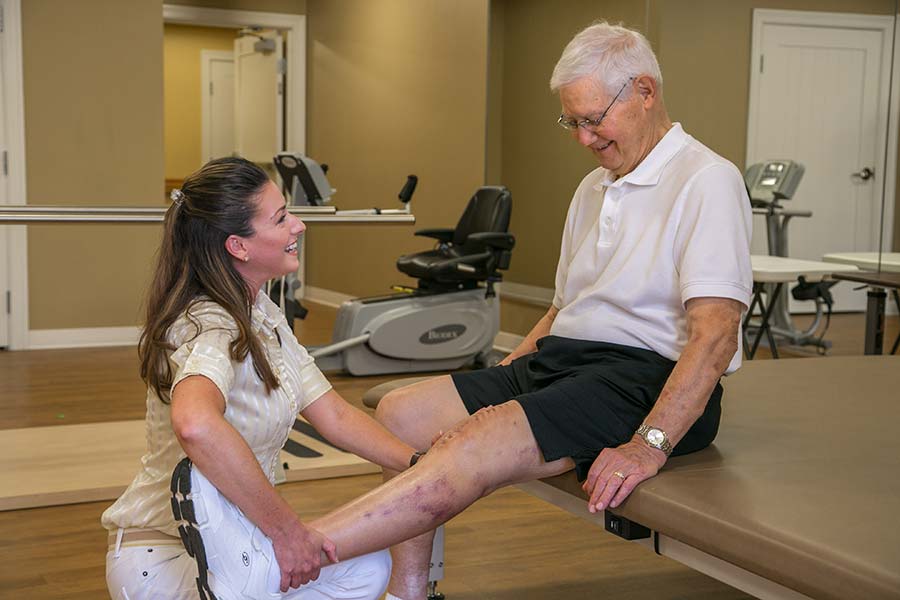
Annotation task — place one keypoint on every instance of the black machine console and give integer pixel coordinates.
(304, 178)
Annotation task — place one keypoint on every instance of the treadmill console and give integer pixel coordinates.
(772, 180)
(304, 178)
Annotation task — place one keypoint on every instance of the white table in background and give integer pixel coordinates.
(779, 270)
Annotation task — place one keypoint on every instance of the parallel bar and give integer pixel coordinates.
(28, 209)
(50, 215)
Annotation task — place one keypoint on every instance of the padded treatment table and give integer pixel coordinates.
(777, 271)
(799, 497)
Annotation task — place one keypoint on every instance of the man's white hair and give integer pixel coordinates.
(609, 53)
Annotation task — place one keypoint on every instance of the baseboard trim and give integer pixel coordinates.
(48, 339)
(326, 297)
(530, 294)
(507, 342)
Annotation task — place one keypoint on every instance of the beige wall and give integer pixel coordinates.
(539, 162)
(707, 69)
(182, 94)
(542, 165)
(691, 52)
(93, 136)
(395, 87)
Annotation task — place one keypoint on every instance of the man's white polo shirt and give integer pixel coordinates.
(635, 249)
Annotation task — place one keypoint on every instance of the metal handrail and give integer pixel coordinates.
(24, 215)
(153, 210)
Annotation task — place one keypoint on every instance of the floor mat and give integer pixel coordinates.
(66, 464)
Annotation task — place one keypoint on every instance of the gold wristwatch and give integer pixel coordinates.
(655, 438)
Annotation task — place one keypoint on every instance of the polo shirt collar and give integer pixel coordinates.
(265, 314)
(650, 169)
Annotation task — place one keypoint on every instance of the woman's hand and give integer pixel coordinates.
(299, 550)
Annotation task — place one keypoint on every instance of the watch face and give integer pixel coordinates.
(656, 437)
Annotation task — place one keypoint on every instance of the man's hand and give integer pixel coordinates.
(617, 471)
(298, 551)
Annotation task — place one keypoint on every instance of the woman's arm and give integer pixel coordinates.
(529, 344)
(351, 429)
(223, 456)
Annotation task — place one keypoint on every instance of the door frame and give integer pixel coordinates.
(887, 146)
(207, 56)
(295, 30)
(14, 119)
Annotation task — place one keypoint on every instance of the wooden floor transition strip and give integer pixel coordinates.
(67, 464)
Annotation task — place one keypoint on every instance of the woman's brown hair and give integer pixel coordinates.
(192, 264)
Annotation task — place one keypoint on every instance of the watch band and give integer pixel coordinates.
(665, 446)
(415, 457)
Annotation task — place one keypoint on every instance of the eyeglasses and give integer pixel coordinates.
(572, 124)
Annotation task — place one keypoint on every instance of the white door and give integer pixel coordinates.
(259, 96)
(819, 97)
(217, 90)
(4, 235)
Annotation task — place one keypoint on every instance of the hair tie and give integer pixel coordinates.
(177, 197)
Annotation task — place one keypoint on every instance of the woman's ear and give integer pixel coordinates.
(235, 246)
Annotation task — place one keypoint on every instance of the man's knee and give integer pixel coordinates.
(486, 427)
(497, 439)
(394, 408)
(415, 413)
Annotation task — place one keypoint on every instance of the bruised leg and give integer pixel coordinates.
(490, 449)
(416, 414)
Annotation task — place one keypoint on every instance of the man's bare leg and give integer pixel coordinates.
(491, 449)
(416, 414)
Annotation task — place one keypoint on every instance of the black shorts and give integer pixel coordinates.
(581, 397)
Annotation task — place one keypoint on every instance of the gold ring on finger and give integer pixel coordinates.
(619, 474)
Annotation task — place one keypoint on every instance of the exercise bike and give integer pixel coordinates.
(450, 319)
(305, 184)
(768, 184)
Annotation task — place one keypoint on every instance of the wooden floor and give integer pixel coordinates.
(508, 546)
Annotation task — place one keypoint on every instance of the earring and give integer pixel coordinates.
(246, 258)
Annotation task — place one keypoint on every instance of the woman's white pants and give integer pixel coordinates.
(241, 562)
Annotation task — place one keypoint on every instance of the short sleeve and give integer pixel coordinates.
(712, 240)
(313, 382)
(204, 348)
(565, 247)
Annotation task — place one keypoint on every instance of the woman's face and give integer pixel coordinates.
(272, 250)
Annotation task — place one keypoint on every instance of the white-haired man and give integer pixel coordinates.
(653, 278)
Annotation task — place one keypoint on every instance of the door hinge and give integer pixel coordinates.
(762, 62)
(2, 20)
(5, 163)
(8, 302)
(281, 66)
(210, 88)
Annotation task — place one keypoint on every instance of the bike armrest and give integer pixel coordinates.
(499, 241)
(444, 236)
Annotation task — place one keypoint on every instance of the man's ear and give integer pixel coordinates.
(235, 246)
(648, 90)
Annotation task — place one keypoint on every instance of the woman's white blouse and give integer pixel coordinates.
(202, 338)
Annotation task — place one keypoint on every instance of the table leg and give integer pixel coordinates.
(764, 325)
(897, 302)
(757, 293)
(875, 321)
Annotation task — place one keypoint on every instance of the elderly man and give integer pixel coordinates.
(623, 370)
